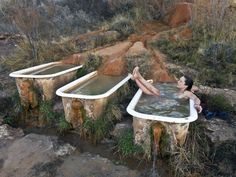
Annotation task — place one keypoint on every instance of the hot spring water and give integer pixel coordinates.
(51, 69)
(97, 85)
(167, 104)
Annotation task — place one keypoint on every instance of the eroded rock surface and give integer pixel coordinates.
(36, 155)
(219, 131)
(93, 165)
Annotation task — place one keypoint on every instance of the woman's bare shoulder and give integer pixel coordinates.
(188, 93)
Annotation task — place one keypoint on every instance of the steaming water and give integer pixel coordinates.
(51, 69)
(168, 104)
(97, 85)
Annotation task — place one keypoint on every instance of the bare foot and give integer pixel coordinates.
(150, 81)
(134, 75)
(137, 72)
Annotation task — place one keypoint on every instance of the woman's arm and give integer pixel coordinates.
(196, 100)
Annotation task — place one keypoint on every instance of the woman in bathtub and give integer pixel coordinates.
(185, 85)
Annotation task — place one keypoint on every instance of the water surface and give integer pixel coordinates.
(52, 69)
(168, 104)
(97, 85)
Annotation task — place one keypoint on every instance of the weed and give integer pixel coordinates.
(15, 100)
(194, 155)
(99, 128)
(213, 61)
(123, 25)
(46, 111)
(141, 61)
(217, 102)
(125, 145)
(46, 52)
(63, 125)
(96, 130)
(92, 63)
(80, 72)
(214, 20)
(9, 120)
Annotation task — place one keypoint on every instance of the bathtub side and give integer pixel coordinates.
(22, 73)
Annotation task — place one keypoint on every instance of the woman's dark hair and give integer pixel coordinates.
(188, 82)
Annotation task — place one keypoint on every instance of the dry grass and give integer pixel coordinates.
(215, 19)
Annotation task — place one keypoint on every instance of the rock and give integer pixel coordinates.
(179, 15)
(114, 51)
(33, 155)
(229, 94)
(113, 63)
(137, 49)
(114, 67)
(88, 164)
(159, 69)
(121, 127)
(219, 131)
(76, 59)
(9, 133)
(181, 34)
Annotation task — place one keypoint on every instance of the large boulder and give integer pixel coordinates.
(32, 155)
(220, 131)
(114, 51)
(113, 67)
(179, 15)
(113, 63)
(88, 164)
(137, 49)
(159, 70)
(76, 59)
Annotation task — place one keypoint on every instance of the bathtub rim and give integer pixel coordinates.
(130, 109)
(20, 73)
(61, 91)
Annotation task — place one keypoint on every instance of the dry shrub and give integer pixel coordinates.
(47, 52)
(214, 19)
(156, 9)
(194, 155)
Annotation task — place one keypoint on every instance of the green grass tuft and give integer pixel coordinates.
(63, 125)
(126, 146)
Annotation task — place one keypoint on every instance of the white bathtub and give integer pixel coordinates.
(176, 127)
(75, 104)
(40, 81)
